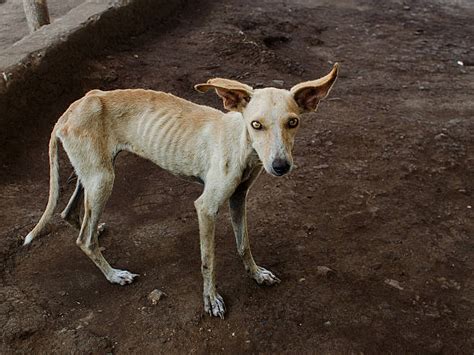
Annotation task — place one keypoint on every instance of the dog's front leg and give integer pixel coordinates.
(207, 209)
(238, 213)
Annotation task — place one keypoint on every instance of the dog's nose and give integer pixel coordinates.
(280, 166)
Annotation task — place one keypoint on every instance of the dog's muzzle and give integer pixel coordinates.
(280, 167)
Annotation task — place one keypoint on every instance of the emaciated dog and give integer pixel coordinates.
(224, 151)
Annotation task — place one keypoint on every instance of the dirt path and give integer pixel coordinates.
(383, 191)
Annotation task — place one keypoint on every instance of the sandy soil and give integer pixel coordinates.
(382, 194)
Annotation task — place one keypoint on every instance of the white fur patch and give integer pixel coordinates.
(28, 239)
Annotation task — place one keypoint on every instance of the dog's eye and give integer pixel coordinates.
(293, 122)
(256, 125)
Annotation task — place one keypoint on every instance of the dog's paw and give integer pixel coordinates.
(121, 277)
(214, 305)
(265, 277)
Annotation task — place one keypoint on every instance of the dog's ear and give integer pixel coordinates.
(235, 95)
(308, 94)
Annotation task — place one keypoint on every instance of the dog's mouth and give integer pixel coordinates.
(274, 173)
(279, 173)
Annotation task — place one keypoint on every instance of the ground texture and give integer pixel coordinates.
(13, 26)
(382, 193)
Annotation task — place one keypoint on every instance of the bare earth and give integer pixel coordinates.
(13, 25)
(382, 194)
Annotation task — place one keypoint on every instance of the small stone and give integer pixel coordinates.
(394, 284)
(302, 279)
(324, 270)
(440, 136)
(155, 296)
(327, 323)
(322, 166)
(278, 82)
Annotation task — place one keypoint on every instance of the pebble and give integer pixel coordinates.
(155, 296)
(323, 270)
(393, 283)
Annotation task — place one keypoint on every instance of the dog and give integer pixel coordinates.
(223, 151)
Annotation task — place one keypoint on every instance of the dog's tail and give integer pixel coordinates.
(53, 189)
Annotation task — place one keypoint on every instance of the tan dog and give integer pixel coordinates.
(224, 151)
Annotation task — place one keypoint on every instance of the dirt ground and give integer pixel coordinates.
(13, 25)
(382, 193)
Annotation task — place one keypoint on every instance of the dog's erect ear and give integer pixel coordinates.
(308, 94)
(235, 95)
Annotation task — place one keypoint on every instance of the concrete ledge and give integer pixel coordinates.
(48, 55)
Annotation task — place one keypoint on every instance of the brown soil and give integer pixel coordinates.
(383, 191)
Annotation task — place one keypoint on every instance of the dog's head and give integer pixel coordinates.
(272, 115)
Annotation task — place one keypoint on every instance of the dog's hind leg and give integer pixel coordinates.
(72, 212)
(238, 213)
(97, 193)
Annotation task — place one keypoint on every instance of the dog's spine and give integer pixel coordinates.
(53, 189)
